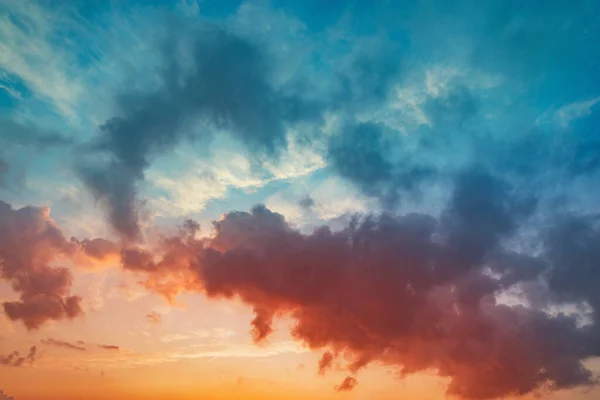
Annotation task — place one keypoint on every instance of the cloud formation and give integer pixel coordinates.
(348, 384)
(61, 343)
(497, 101)
(4, 169)
(19, 135)
(29, 242)
(413, 291)
(15, 359)
(79, 345)
(227, 87)
(325, 362)
(30, 245)
(360, 154)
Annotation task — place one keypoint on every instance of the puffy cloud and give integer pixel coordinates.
(15, 359)
(29, 242)
(413, 291)
(361, 154)
(30, 245)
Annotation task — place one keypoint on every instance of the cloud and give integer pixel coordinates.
(16, 134)
(16, 360)
(227, 87)
(4, 169)
(306, 202)
(80, 345)
(17, 137)
(361, 155)
(413, 291)
(325, 362)
(510, 92)
(66, 345)
(109, 347)
(565, 115)
(29, 52)
(572, 248)
(94, 253)
(29, 242)
(348, 384)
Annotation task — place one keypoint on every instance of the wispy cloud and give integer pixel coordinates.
(15, 359)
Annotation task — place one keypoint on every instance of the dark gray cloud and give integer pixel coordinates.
(228, 86)
(368, 76)
(4, 168)
(572, 247)
(362, 154)
(307, 202)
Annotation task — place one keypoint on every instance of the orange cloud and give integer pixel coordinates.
(347, 384)
(30, 245)
(387, 290)
(29, 242)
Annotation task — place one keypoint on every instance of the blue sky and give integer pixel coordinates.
(433, 70)
(126, 118)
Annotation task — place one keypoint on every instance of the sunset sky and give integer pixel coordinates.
(299, 199)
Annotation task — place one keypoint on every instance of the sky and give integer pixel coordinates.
(285, 199)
